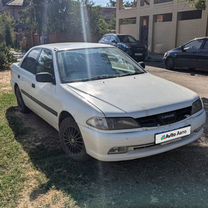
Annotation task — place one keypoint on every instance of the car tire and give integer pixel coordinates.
(71, 140)
(169, 63)
(21, 105)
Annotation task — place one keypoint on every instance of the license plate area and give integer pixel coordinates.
(172, 135)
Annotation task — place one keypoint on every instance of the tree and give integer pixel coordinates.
(198, 4)
(6, 29)
(8, 36)
(111, 3)
(79, 20)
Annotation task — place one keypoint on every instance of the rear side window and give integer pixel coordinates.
(45, 62)
(206, 45)
(193, 45)
(30, 61)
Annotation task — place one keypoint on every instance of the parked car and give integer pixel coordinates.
(103, 103)
(193, 54)
(126, 43)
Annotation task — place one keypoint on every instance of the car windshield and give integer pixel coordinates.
(127, 39)
(95, 63)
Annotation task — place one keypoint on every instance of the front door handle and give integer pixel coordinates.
(33, 85)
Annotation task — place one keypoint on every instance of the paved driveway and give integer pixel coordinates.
(194, 80)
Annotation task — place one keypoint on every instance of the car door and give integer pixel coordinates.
(188, 55)
(27, 77)
(47, 102)
(203, 56)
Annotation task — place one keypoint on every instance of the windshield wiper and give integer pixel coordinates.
(130, 74)
(100, 77)
(105, 77)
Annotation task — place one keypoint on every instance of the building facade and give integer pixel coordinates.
(162, 24)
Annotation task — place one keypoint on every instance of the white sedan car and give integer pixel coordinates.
(104, 104)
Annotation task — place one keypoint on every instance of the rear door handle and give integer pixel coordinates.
(33, 85)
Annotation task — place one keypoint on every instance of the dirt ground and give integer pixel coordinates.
(5, 81)
(175, 179)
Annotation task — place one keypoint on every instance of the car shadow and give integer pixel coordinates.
(192, 72)
(178, 178)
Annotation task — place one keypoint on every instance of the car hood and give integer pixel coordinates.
(145, 94)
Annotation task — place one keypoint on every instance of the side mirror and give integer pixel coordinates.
(45, 77)
(183, 49)
(142, 64)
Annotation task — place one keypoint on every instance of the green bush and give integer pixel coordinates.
(6, 57)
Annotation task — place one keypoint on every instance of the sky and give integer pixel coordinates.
(100, 2)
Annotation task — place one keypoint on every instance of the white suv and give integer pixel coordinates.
(104, 104)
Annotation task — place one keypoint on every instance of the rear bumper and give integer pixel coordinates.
(98, 143)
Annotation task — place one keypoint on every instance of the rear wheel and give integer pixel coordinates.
(21, 105)
(169, 63)
(71, 140)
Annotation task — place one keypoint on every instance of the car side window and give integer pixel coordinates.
(102, 39)
(114, 39)
(45, 62)
(193, 45)
(206, 45)
(30, 61)
(108, 38)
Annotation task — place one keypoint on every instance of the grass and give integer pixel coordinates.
(18, 175)
(12, 158)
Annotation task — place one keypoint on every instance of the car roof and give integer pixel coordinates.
(201, 38)
(115, 34)
(72, 46)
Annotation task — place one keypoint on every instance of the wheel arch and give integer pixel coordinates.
(15, 86)
(63, 115)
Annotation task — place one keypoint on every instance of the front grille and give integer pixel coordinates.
(164, 118)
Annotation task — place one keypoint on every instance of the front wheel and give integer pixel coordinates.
(169, 63)
(71, 140)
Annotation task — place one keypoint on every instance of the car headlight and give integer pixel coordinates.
(107, 123)
(196, 106)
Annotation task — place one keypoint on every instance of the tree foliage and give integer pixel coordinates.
(199, 4)
(6, 57)
(75, 18)
(111, 3)
(6, 29)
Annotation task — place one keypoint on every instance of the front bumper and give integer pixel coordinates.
(98, 143)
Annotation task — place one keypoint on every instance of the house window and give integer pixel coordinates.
(127, 21)
(163, 17)
(144, 2)
(188, 15)
(161, 1)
